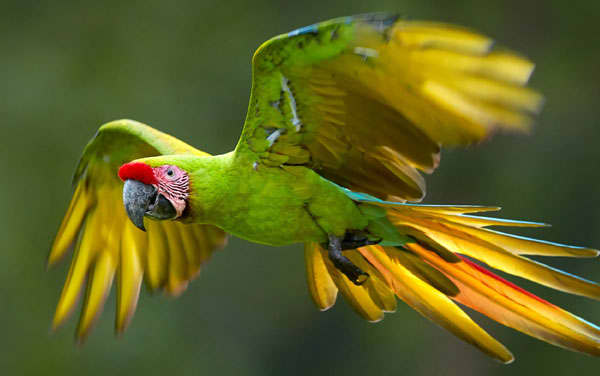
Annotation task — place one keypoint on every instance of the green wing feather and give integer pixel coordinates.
(367, 101)
(108, 245)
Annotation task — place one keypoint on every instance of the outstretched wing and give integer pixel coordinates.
(367, 101)
(168, 255)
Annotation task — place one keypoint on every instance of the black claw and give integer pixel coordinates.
(343, 264)
(357, 276)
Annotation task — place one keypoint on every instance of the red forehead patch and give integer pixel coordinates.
(137, 171)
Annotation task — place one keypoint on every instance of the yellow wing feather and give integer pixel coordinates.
(130, 276)
(420, 34)
(157, 257)
(367, 101)
(71, 224)
(99, 284)
(168, 255)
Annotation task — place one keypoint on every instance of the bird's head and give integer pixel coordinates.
(154, 189)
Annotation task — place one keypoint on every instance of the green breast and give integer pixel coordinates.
(273, 205)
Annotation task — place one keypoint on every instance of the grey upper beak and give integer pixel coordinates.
(137, 197)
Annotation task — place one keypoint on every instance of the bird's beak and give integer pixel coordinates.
(142, 199)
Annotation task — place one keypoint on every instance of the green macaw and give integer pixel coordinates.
(343, 117)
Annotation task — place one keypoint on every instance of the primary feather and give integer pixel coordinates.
(367, 101)
(109, 245)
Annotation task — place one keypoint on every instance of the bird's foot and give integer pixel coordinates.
(341, 262)
(356, 239)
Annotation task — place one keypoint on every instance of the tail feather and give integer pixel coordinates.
(378, 290)
(445, 209)
(472, 225)
(478, 222)
(512, 306)
(359, 297)
(431, 272)
(320, 284)
(491, 249)
(432, 304)
(517, 244)
(424, 271)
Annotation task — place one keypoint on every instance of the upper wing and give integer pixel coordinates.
(169, 254)
(367, 101)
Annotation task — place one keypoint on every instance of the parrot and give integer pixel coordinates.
(345, 116)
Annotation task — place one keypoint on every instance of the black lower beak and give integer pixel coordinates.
(137, 197)
(142, 200)
(161, 208)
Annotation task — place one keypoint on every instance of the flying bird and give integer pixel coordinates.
(344, 117)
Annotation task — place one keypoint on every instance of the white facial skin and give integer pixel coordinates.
(174, 185)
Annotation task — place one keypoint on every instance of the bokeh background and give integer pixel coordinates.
(183, 67)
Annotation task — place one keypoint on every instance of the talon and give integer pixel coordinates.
(343, 264)
(362, 278)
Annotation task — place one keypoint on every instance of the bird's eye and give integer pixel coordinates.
(170, 172)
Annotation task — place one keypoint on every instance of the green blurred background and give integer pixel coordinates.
(184, 67)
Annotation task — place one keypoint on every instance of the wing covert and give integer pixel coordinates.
(108, 245)
(367, 101)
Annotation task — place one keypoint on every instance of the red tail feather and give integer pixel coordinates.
(508, 283)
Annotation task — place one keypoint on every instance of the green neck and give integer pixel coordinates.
(212, 181)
